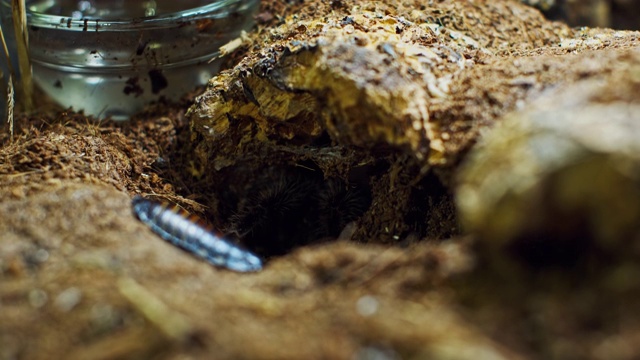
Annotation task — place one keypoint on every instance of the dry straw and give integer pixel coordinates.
(19, 15)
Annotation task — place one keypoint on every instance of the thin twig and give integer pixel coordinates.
(10, 92)
(10, 104)
(6, 52)
(19, 12)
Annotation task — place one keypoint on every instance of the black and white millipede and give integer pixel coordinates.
(181, 229)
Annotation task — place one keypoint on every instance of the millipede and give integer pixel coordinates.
(185, 231)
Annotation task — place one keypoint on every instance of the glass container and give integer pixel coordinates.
(112, 57)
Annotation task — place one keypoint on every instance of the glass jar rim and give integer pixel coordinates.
(216, 9)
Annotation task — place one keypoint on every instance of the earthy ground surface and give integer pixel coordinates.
(376, 110)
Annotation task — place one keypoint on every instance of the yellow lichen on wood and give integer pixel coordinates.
(365, 88)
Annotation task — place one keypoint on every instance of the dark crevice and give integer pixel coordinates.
(431, 209)
(288, 207)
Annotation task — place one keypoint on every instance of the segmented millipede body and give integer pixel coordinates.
(180, 229)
